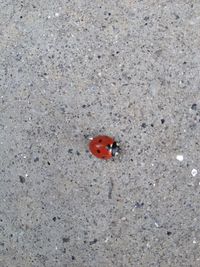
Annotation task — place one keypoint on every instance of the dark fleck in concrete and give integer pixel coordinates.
(22, 179)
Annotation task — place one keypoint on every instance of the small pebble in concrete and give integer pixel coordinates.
(194, 172)
(148, 245)
(93, 242)
(22, 179)
(194, 106)
(179, 157)
(36, 159)
(144, 125)
(139, 205)
(66, 239)
(106, 240)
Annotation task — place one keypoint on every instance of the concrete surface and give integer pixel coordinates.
(72, 69)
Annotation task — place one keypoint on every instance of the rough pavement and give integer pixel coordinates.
(73, 69)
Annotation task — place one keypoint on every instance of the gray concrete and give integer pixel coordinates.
(72, 69)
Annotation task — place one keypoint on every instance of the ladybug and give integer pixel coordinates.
(104, 147)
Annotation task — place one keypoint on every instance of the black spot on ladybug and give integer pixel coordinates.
(98, 151)
(100, 140)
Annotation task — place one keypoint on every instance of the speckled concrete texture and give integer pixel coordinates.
(73, 69)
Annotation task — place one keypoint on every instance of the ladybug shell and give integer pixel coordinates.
(99, 146)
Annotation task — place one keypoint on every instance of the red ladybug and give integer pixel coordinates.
(103, 147)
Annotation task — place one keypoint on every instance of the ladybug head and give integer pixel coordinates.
(114, 148)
